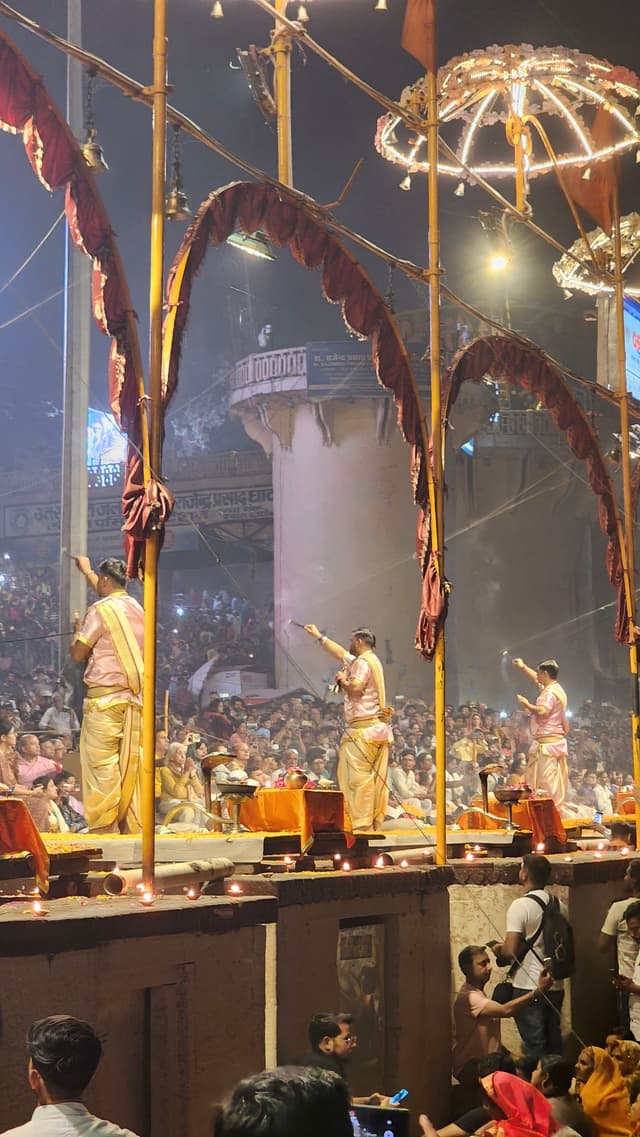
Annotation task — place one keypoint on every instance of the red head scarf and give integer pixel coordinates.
(527, 1112)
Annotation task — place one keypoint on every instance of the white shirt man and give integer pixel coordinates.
(614, 931)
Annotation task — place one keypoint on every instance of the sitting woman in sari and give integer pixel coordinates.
(513, 1108)
(179, 785)
(518, 1108)
(603, 1092)
(9, 783)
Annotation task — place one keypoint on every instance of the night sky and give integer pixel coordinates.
(334, 125)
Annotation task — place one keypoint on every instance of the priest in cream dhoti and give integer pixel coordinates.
(110, 641)
(547, 759)
(363, 754)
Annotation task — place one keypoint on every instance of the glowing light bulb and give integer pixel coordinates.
(346, 867)
(337, 857)
(468, 857)
(600, 845)
(624, 852)
(235, 888)
(540, 847)
(147, 898)
(498, 262)
(193, 893)
(404, 864)
(598, 856)
(568, 858)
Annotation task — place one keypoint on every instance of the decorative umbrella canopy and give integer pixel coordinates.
(575, 277)
(489, 96)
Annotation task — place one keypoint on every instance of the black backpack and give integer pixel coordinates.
(557, 937)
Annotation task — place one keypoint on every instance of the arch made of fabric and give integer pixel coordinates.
(292, 223)
(526, 366)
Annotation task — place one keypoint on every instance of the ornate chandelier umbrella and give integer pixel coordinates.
(574, 277)
(524, 93)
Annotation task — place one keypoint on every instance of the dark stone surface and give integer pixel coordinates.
(359, 884)
(79, 923)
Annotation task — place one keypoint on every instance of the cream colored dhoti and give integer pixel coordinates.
(362, 773)
(110, 743)
(547, 766)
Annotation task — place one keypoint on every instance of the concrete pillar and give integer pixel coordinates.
(344, 535)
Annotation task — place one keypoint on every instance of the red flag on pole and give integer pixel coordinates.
(594, 189)
(419, 32)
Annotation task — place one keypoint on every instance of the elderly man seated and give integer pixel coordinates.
(181, 794)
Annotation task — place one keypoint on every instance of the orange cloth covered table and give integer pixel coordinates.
(18, 834)
(537, 814)
(307, 811)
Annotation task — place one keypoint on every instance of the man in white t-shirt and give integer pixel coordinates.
(538, 1022)
(631, 986)
(477, 1016)
(615, 940)
(63, 1057)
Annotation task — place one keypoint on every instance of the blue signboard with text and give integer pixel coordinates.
(342, 369)
(632, 345)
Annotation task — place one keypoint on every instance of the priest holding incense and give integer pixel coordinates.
(110, 642)
(363, 754)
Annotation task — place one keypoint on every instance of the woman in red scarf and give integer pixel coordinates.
(520, 1110)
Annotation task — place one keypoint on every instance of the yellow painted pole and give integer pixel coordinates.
(152, 547)
(436, 426)
(629, 518)
(281, 46)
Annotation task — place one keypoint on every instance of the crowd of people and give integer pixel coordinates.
(302, 732)
(193, 627)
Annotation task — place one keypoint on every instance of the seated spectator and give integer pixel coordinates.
(473, 1120)
(289, 1101)
(553, 1077)
(31, 764)
(76, 821)
(477, 1017)
(9, 783)
(317, 768)
(56, 823)
(514, 1109)
(332, 1045)
(179, 783)
(628, 1059)
(603, 1092)
(60, 719)
(64, 1054)
(405, 786)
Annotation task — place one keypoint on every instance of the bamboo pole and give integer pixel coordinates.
(629, 569)
(437, 520)
(281, 46)
(152, 544)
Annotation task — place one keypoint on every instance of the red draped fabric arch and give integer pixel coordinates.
(293, 224)
(527, 367)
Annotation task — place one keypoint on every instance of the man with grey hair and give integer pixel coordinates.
(109, 641)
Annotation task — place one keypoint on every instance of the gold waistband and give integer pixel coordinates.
(549, 738)
(371, 720)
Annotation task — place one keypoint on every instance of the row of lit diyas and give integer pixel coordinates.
(146, 898)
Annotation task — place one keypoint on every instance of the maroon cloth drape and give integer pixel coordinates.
(56, 158)
(292, 224)
(527, 367)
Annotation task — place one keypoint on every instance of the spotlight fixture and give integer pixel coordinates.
(302, 16)
(381, 6)
(91, 148)
(405, 184)
(459, 190)
(217, 12)
(255, 244)
(176, 206)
